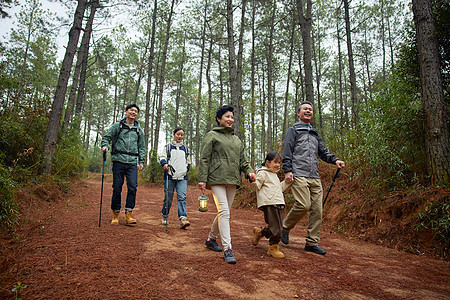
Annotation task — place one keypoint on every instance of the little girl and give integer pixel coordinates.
(270, 199)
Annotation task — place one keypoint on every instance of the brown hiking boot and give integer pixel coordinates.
(184, 223)
(274, 252)
(256, 235)
(129, 217)
(115, 218)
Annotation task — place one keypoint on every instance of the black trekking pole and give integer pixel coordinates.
(101, 195)
(334, 179)
(166, 190)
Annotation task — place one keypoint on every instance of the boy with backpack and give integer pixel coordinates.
(127, 142)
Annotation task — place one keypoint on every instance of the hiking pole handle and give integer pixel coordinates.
(336, 175)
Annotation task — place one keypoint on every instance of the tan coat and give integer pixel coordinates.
(269, 189)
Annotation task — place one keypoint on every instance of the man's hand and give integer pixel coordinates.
(340, 164)
(289, 177)
(202, 186)
(141, 167)
(104, 149)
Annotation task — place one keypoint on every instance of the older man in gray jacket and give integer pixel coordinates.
(302, 146)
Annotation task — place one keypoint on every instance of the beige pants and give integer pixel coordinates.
(224, 197)
(308, 195)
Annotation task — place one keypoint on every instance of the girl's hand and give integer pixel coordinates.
(202, 186)
(252, 176)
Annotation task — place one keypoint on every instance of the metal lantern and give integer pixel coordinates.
(203, 203)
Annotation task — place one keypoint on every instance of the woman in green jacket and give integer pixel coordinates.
(222, 162)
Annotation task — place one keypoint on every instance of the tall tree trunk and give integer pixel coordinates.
(200, 81)
(341, 102)
(84, 64)
(288, 81)
(149, 78)
(355, 104)
(383, 40)
(433, 103)
(240, 111)
(162, 79)
(318, 67)
(141, 71)
(221, 77)
(252, 103)
(51, 134)
(232, 66)
(305, 24)
(270, 99)
(208, 81)
(28, 42)
(180, 83)
(82, 56)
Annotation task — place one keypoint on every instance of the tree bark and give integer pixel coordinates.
(82, 56)
(355, 104)
(433, 103)
(84, 63)
(180, 83)
(238, 116)
(305, 24)
(288, 81)
(51, 134)
(200, 82)
(232, 66)
(162, 79)
(270, 99)
(149, 78)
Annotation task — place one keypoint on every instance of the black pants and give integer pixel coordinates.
(273, 216)
(120, 171)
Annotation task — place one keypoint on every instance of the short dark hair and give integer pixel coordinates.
(132, 105)
(177, 129)
(222, 110)
(305, 102)
(271, 156)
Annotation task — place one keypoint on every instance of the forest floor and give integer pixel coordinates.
(62, 253)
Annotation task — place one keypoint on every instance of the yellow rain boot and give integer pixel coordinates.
(129, 217)
(115, 218)
(256, 235)
(274, 252)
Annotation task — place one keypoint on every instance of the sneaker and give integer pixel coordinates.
(315, 249)
(164, 221)
(212, 244)
(184, 223)
(285, 237)
(229, 257)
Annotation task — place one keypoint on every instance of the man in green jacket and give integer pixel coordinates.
(127, 142)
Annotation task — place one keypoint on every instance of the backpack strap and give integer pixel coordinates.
(116, 137)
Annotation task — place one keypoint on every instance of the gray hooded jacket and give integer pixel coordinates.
(302, 146)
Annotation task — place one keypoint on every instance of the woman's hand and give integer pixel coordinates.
(202, 186)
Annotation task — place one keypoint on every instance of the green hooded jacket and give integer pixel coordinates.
(222, 158)
(127, 141)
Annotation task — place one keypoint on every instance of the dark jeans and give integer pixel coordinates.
(120, 170)
(181, 187)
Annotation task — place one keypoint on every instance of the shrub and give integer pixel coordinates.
(8, 206)
(436, 216)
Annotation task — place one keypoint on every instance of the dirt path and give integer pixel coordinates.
(70, 257)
